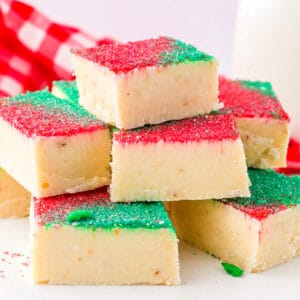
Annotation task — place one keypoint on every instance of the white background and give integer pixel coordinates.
(208, 24)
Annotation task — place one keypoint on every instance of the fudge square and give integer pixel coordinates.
(253, 233)
(261, 120)
(53, 146)
(145, 82)
(14, 199)
(65, 89)
(84, 238)
(195, 158)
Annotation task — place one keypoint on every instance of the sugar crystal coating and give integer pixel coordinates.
(122, 58)
(205, 127)
(40, 114)
(93, 209)
(270, 192)
(250, 99)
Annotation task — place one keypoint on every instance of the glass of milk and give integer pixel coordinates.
(267, 48)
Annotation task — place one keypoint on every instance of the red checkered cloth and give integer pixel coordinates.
(34, 51)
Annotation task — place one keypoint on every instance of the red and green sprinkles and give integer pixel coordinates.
(250, 99)
(123, 58)
(94, 210)
(271, 192)
(40, 114)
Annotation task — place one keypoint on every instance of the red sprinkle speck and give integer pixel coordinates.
(15, 255)
(25, 264)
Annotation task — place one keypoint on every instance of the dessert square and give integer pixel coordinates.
(52, 146)
(261, 120)
(85, 239)
(253, 233)
(145, 82)
(14, 199)
(195, 158)
(65, 89)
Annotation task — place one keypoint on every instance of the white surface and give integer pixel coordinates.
(202, 278)
(267, 47)
(207, 24)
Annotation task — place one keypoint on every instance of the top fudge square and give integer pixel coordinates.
(145, 82)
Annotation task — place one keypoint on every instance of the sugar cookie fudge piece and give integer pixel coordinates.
(195, 158)
(65, 89)
(261, 120)
(145, 82)
(14, 199)
(94, 241)
(52, 146)
(253, 233)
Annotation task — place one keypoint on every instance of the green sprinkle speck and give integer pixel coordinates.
(114, 129)
(261, 86)
(78, 215)
(232, 269)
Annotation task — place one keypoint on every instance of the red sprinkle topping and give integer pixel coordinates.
(208, 127)
(260, 212)
(126, 57)
(248, 103)
(38, 122)
(63, 204)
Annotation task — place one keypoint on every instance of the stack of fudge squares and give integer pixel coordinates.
(148, 145)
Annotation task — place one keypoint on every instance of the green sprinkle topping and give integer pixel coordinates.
(78, 215)
(93, 209)
(182, 53)
(232, 269)
(261, 86)
(270, 188)
(68, 88)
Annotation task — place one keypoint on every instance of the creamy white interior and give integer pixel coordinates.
(14, 199)
(56, 165)
(147, 96)
(16, 155)
(67, 255)
(178, 171)
(235, 237)
(265, 141)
